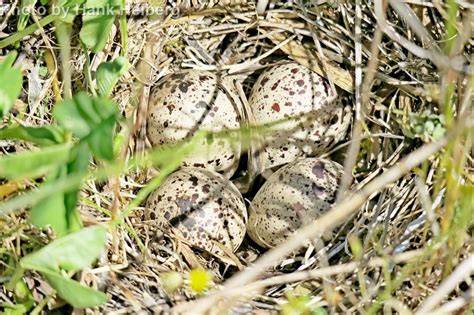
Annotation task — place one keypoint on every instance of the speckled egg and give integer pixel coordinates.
(296, 194)
(203, 206)
(309, 117)
(191, 100)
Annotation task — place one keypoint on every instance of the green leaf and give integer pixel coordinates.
(108, 74)
(119, 140)
(70, 4)
(418, 129)
(34, 196)
(68, 9)
(356, 246)
(97, 22)
(33, 164)
(319, 311)
(15, 278)
(46, 135)
(78, 165)
(438, 132)
(442, 119)
(23, 295)
(14, 309)
(71, 252)
(43, 71)
(429, 126)
(463, 215)
(91, 119)
(297, 304)
(11, 80)
(51, 211)
(58, 210)
(101, 141)
(73, 292)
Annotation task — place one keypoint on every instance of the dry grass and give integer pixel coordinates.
(390, 72)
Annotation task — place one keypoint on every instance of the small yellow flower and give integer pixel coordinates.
(199, 280)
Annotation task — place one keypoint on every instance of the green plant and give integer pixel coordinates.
(299, 303)
(426, 125)
(11, 83)
(84, 129)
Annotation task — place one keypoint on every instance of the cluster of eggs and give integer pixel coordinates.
(303, 118)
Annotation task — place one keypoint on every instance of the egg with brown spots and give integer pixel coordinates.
(293, 196)
(205, 208)
(191, 100)
(304, 115)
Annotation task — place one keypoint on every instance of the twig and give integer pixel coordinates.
(244, 65)
(455, 304)
(362, 104)
(64, 39)
(464, 269)
(261, 6)
(438, 59)
(412, 20)
(428, 208)
(318, 244)
(307, 58)
(319, 49)
(27, 31)
(321, 272)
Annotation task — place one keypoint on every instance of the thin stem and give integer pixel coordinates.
(123, 31)
(63, 34)
(87, 71)
(27, 31)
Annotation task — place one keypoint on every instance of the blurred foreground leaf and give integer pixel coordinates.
(70, 253)
(97, 21)
(46, 135)
(91, 119)
(32, 164)
(73, 292)
(10, 86)
(108, 74)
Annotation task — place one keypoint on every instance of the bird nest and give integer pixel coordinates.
(380, 254)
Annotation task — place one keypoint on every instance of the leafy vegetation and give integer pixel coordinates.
(84, 129)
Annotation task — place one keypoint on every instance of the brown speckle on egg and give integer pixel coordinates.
(295, 193)
(276, 107)
(318, 169)
(192, 100)
(202, 218)
(312, 119)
